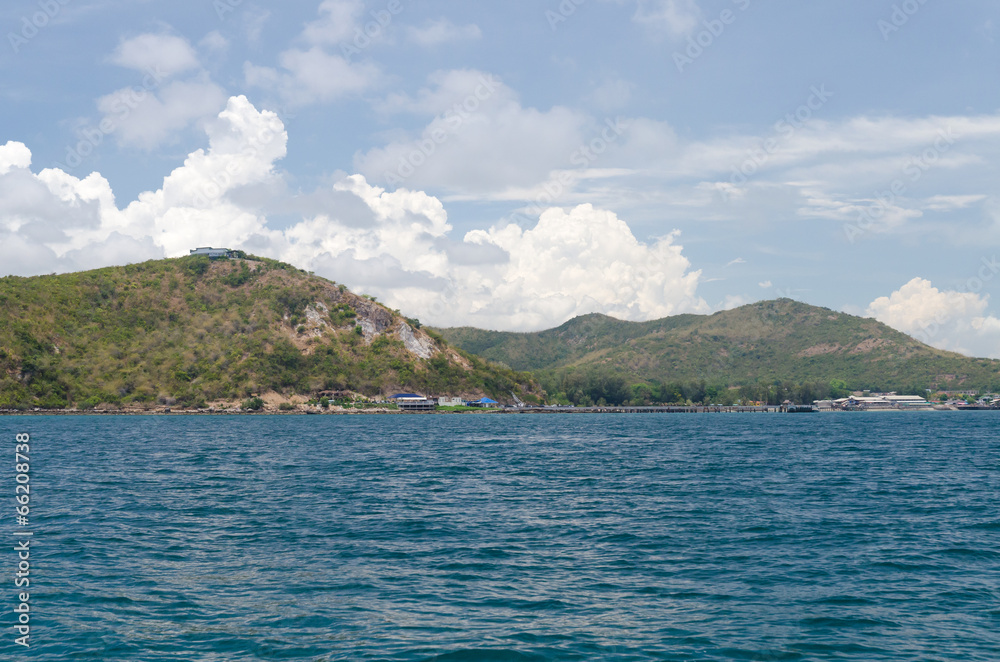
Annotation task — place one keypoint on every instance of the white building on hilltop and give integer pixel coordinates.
(213, 253)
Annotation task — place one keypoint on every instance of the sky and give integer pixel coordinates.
(512, 165)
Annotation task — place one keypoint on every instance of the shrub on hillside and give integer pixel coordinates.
(254, 404)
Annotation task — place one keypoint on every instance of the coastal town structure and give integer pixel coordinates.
(875, 402)
(484, 403)
(413, 402)
(213, 253)
(417, 402)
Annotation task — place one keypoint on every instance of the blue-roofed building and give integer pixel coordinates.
(483, 402)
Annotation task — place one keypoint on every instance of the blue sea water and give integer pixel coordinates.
(565, 537)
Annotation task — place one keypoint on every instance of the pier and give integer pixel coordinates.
(668, 409)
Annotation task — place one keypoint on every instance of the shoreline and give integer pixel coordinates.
(527, 410)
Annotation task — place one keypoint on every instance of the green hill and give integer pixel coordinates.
(191, 332)
(766, 350)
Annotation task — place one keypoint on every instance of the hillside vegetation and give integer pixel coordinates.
(764, 351)
(191, 331)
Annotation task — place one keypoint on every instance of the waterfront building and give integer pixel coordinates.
(413, 402)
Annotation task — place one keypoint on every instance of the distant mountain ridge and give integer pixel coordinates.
(761, 342)
(194, 331)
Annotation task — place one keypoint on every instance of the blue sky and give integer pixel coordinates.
(510, 165)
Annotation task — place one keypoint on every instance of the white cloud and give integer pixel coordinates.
(312, 76)
(581, 261)
(441, 31)
(952, 202)
(166, 55)
(886, 175)
(733, 301)
(14, 155)
(397, 245)
(860, 176)
(336, 23)
(158, 107)
(147, 119)
(46, 218)
(194, 206)
(946, 319)
(570, 263)
(677, 17)
(481, 142)
(254, 21)
(66, 223)
(214, 42)
(612, 94)
(766, 285)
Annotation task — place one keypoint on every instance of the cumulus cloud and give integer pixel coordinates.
(870, 175)
(147, 119)
(195, 204)
(314, 74)
(581, 261)
(480, 140)
(164, 54)
(47, 218)
(946, 319)
(155, 109)
(570, 263)
(66, 223)
(395, 244)
(14, 155)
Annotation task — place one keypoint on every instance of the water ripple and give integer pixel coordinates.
(502, 538)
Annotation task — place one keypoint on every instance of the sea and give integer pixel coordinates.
(849, 536)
